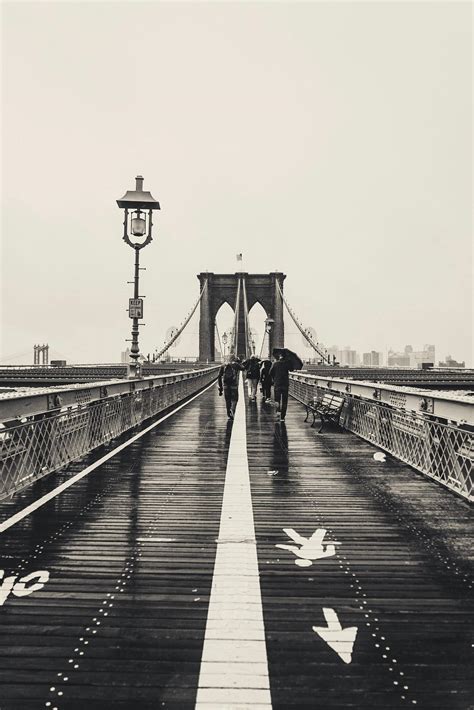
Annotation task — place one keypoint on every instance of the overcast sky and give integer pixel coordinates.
(328, 140)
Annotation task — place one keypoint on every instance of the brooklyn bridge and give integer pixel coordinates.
(157, 554)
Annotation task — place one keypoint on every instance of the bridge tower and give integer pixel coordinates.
(42, 350)
(223, 288)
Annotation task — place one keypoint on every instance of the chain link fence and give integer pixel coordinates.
(441, 450)
(43, 443)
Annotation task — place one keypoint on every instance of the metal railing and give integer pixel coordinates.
(55, 426)
(442, 449)
(408, 376)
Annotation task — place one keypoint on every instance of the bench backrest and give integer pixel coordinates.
(332, 400)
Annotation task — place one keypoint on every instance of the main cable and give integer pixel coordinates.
(180, 330)
(316, 347)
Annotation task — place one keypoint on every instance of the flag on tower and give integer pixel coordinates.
(239, 257)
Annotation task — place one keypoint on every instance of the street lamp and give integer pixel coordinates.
(224, 342)
(137, 225)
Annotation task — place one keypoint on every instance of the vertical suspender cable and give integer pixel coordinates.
(219, 340)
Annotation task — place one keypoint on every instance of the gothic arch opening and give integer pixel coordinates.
(225, 323)
(257, 316)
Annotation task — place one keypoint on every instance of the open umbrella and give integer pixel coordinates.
(296, 361)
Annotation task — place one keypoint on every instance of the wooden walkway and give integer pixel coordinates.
(106, 588)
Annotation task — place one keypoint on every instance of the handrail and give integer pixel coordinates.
(433, 434)
(445, 405)
(29, 402)
(47, 430)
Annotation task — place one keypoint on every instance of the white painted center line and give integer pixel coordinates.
(234, 667)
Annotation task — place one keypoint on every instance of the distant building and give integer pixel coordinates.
(125, 357)
(372, 359)
(398, 359)
(412, 358)
(333, 352)
(449, 362)
(349, 357)
(425, 357)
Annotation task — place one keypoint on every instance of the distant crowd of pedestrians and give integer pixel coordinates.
(269, 373)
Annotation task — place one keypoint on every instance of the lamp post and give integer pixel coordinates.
(224, 343)
(137, 226)
(268, 329)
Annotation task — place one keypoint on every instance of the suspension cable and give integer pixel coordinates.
(236, 319)
(219, 339)
(180, 330)
(315, 346)
(246, 321)
(263, 342)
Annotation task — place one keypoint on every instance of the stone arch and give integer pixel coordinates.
(221, 288)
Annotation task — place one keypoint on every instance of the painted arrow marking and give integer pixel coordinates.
(341, 640)
(312, 548)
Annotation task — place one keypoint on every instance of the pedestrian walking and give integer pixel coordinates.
(252, 368)
(266, 380)
(228, 382)
(285, 361)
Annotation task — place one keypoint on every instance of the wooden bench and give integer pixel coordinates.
(328, 408)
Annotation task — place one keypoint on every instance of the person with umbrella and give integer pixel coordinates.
(285, 361)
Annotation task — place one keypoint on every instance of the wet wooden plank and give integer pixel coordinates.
(130, 552)
(401, 573)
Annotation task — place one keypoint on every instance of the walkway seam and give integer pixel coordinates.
(9, 522)
(234, 666)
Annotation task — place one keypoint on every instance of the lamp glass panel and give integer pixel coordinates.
(138, 227)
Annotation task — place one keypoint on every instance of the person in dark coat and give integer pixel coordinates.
(279, 374)
(266, 380)
(228, 382)
(252, 368)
